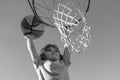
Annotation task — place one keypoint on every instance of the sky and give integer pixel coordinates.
(101, 61)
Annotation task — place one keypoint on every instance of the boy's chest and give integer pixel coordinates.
(54, 71)
(54, 67)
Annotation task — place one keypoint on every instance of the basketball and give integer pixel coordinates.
(32, 26)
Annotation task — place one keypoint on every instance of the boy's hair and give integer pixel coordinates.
(46, 48)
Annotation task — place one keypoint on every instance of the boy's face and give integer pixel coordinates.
(52, 54)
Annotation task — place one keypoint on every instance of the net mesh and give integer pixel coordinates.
(76, 34)
(68, 19)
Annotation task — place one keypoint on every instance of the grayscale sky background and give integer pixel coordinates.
(101, 61)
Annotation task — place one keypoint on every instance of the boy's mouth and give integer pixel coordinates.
(53, 59)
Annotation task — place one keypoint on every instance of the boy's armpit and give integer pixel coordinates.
(37, 62)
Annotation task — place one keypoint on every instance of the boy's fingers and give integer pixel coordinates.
(25, 37)
(28, 36)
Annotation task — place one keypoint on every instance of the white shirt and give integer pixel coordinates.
(48, 70)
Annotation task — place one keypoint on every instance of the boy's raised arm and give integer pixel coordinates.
(36, 58)
(31, 48)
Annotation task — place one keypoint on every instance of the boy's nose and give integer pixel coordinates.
(54, 53)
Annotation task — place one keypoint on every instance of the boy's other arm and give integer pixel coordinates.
(67, 56)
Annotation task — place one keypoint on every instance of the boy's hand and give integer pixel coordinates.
(28, 37)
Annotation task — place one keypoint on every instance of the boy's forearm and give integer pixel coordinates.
(32, 49)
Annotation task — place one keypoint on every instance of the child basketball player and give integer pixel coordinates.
(50, 64)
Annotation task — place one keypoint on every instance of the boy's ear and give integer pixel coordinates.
(43, 56)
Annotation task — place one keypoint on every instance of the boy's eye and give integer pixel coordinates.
(56, 51)
(49, 49)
